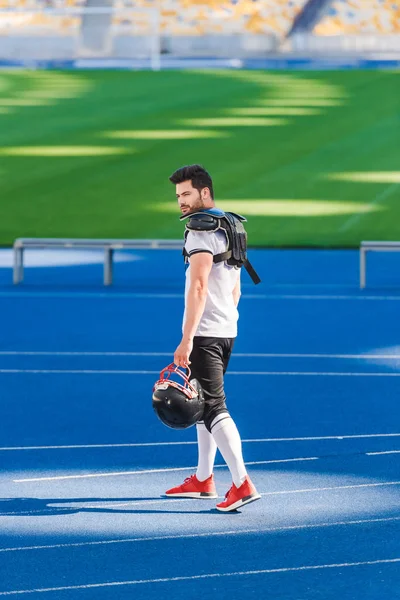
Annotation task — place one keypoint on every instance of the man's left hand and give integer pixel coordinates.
(182, 353)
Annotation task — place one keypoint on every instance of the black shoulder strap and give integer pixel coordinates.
(252, 272)
(247, 265)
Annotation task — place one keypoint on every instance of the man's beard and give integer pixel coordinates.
(199, 205)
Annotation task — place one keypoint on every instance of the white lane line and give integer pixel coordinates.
(385, 452)
(234, 532)
(87, 446)
(300, 355)
(204, 576)
(234, 355)
(327, 437)
(167, 470)
(262, 373)
(89, 295)
(112, 474)
(76, 372)
(333, 488)
(248, 441)
(313, 374)
(136, 295)
(67, 353)
(315, 297)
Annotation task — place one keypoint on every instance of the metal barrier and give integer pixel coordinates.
(108, 245)
(373, 247)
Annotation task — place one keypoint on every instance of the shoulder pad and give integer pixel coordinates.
(202, 221)
(240, 217)
(214, 212)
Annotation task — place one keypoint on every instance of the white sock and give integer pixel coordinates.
(228, 440)
(207, 449)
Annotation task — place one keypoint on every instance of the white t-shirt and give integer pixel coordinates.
(220, 315)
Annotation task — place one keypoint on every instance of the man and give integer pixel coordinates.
(212, 294)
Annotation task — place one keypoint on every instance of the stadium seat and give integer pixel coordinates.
(346, 17)
(198, 17)
(179, 17)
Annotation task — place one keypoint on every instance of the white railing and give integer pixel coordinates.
(373, 247)
(108, 245)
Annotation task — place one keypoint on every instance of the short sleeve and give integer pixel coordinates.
(200, 241)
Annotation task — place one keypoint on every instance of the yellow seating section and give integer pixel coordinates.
(198, 17)
(348, 17)
(182, 17)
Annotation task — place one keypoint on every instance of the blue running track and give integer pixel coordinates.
(314, 386)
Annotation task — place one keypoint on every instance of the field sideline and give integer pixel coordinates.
(311, 158)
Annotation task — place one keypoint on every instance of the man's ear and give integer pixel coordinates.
(205, 193)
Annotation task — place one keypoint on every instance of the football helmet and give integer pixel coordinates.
(178, 402)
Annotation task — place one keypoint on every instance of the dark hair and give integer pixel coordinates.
(197, 174)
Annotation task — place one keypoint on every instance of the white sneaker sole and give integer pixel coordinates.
(239, 503)
(198, 495)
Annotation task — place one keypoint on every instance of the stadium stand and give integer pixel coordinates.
(199, 17)
(38, 24)
(30, 17)
(349, 17)
(177, 17)
(54, 29)
(40, 4)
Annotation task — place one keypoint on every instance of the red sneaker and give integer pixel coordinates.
(237, 497)
(193, 488)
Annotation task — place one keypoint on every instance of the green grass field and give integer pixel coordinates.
(312, 159)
